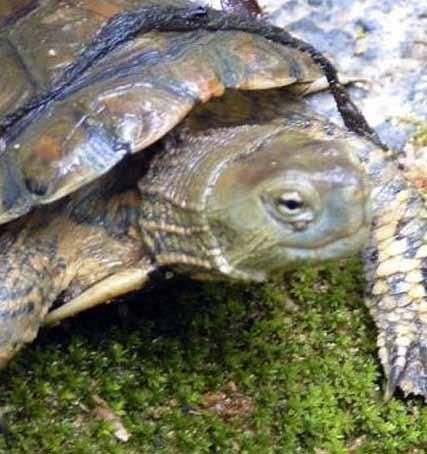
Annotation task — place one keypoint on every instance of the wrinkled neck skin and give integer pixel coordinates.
(196, 216)
(175, 197)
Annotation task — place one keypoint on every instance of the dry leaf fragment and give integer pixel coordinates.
(103, 411)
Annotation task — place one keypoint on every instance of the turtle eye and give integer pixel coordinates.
(290, 203)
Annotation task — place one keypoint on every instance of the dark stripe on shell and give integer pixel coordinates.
(124, 27)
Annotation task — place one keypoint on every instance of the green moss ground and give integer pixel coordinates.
(205, 368)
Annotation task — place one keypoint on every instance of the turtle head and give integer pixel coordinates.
(291, 200)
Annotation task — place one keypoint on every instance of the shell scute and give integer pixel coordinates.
(61, 154)
(59, 32)
(129, 99)
(16, 85)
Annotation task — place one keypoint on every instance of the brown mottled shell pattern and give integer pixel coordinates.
(124, 103)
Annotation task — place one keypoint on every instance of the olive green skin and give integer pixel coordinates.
(136, 168)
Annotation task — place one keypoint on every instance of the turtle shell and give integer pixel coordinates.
(121, 104)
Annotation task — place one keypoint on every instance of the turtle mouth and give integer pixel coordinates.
(332, 248)
(361, 228)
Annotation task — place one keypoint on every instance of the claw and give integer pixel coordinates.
(392, 382)
(408, 372)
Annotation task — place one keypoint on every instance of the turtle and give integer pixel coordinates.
(127, 165)
(139, 138)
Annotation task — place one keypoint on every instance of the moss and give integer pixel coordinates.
(419, 137)
(205, 368)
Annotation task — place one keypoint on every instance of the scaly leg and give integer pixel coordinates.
(395, 270)
(28, 281)
(88, 251)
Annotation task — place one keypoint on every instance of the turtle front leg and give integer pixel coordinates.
(396, 273)
(27, 290)
(88, 251)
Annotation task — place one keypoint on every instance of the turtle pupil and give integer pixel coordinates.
(291, 204)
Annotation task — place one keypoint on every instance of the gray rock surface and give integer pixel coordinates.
(384, 42)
